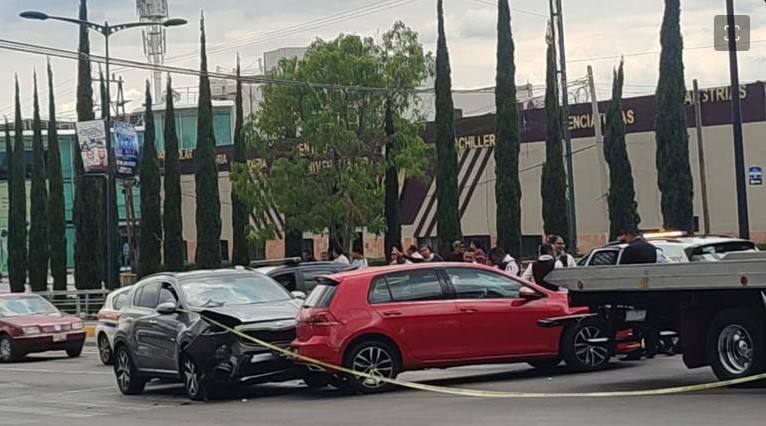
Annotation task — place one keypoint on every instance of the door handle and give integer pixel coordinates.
(391, 313)
(151, 321)
(469, 310)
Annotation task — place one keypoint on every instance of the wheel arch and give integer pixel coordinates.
(374, 335)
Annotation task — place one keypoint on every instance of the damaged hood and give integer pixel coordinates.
(235, 315)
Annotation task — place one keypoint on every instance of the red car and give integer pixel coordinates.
(29, 323)
(391, 319)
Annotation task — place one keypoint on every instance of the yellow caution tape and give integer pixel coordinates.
(486, 393)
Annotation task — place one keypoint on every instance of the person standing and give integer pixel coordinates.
(544, 264)
(429, 255)
(359, 261)
(456, 255)
(560, 251)
(339, 256)
(504, 261)
(639, 250)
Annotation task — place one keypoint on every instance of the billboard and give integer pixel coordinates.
(126, 149)
(91, 136)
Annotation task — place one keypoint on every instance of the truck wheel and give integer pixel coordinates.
(576, 349)
(736, 345)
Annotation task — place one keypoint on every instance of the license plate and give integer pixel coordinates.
(261, 357)
(59, 337)
(635, 315)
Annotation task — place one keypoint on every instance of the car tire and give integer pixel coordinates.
(577, 352)
(74, 352)
(105, 350)
(8, 351)
(371, 356)
(194, 379)
(545, 363)
(128, 380)
(736, 346)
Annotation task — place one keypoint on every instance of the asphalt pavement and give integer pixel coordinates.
(50, 389)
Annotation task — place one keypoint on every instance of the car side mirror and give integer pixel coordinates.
(298, 295)
(528, 295)
(167, 308)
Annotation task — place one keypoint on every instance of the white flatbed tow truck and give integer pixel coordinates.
(718, 309)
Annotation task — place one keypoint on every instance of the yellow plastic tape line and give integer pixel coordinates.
(486, 393)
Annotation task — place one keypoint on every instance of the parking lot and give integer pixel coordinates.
(52, 389)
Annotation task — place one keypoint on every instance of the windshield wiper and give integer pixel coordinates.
(212, 304)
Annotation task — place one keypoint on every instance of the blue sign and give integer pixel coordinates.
(125, 149)
(755, 173)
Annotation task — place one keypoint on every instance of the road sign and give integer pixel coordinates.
(755, 173)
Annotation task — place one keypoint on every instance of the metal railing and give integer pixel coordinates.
(83, 303)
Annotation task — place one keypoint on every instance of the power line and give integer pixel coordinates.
(647, 53)
(513, 9)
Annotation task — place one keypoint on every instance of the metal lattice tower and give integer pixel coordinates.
(154, 36)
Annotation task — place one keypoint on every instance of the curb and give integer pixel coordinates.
(90, 331)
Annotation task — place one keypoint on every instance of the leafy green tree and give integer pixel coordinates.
(623, 208)
(448, 226)
(208, 213)
(321, 151)
(38, 229)
(674, 176)
(507, 184)
(17, 254)
(150, 237)
(88, 197)
(240, 218)
(172, 219)
(553, 185)
(56, 207)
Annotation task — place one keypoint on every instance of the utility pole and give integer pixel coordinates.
(556, 16)
(597, 123)
(701, 157)
(736, 119)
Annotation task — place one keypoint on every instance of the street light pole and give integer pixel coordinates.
(106, 30)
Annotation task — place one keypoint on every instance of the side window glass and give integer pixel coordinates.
(606, 257)
(310, 277)
(119, 301)
(475, 284)
(167, 295)
(379, 292)
(287, 281)
(137, 296)
(149, 296)
(414, 286)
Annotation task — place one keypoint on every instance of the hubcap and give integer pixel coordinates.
(5, 349)
(191, 377)
(103, 349)
(123, 369)
(587, 353)
(375, 361)
(735, 349)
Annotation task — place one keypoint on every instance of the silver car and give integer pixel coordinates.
(108, 318)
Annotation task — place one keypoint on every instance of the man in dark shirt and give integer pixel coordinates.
(456, 255)
(638, 250)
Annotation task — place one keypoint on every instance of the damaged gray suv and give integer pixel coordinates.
(164, 332)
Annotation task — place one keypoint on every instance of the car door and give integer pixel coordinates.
(417, 310)
(143, 315)
(163, 335)
(496, 322)
(288, 279)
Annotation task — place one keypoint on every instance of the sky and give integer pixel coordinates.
(596, 33)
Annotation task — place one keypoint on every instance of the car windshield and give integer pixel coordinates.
(21, 306)
(233, 290)
(715, 252)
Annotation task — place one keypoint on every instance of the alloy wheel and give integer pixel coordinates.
(192, 379)
(104, 350)
(6, 349)
(123, 369)
(589, 354)
(374, 361)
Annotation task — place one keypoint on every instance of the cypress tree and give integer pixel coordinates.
(393, 235)
(239, 214)
(507, 185)
(447, 196)
(150, 237)
(38, 228)
(674, 177)
(56, 208)
(9, 182)
(623, 208)
(17, 254)
(208, 211)
(553, 184)
(172, 220)
(87, 198)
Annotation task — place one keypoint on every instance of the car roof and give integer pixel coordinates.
(690, 241)
(18, 295)
(377, 270)
(304, 265)
(203, 273)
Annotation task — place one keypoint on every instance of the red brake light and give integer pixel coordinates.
(321, 319)
(109, 316)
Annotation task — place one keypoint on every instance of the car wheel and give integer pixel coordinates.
(736, 345)
(578, 350)
(194, 379)
(7, 349)
(128, 379)
(104, 350)
(374, 357)
(545, 363)
(74, 352)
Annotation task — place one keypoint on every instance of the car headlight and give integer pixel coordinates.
(30, 330)
(77, 326)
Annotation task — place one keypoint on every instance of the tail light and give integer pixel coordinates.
(108, 316)
(321, 319)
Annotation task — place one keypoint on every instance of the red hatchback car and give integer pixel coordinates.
(391, 319)
(29, 323)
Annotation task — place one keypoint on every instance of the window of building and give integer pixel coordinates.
(188, 135)
(257, 250)
(222, 128)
